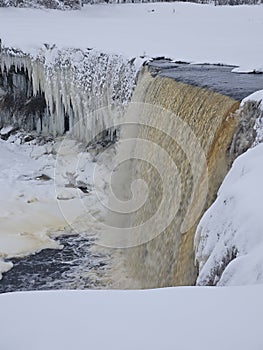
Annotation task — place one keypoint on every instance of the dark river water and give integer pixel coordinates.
(76, 266)
(214, 77)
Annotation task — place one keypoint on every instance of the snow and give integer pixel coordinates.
(6, 130)
(4, 267)
(20, 202)
(182, 31)
(256, 96)
(171, 318)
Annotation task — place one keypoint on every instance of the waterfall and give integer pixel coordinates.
(181, 143)
(174, 150)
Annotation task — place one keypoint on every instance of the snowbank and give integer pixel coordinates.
(232, 227)
(182, 31)
(172, 318)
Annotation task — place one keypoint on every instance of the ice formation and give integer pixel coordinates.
(84, 91)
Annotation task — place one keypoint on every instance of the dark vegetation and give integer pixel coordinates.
(77, 4)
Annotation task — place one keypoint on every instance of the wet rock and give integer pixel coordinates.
(84, 189)
(28, 138)
(43, 177)
(7, 131)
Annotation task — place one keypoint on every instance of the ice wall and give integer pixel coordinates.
(60, 90)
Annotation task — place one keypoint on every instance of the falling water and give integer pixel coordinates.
(194, 126)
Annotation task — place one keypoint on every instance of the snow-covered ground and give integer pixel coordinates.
(171, 318)
(182, 31)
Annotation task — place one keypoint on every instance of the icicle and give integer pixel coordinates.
(75, 84)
